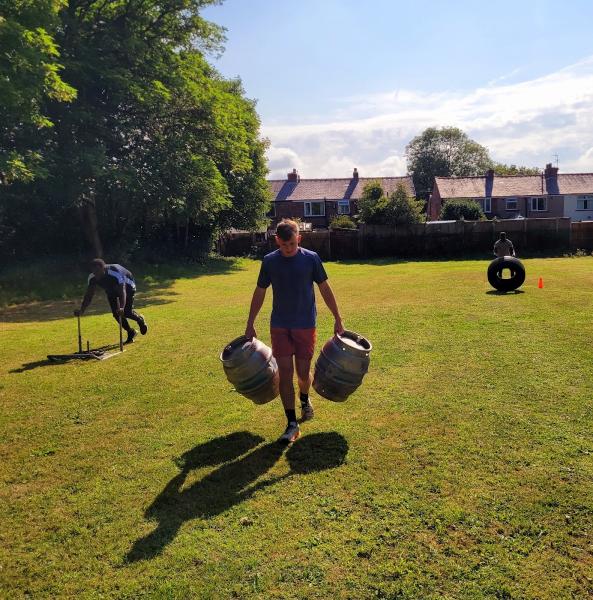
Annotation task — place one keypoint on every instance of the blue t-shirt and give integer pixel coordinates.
(292, 283)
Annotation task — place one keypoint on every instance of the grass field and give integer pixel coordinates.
(462, 468)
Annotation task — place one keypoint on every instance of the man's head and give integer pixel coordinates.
(98, 267)
(503, 235)
(288, 237)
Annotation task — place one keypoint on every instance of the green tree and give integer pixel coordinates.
(126, 59)
(444, 152)
(460, 208)
(402, 209)
(502, 169)
(29, 78)
(396, 209)
(371, 201)
(197, 163)
(157, 145)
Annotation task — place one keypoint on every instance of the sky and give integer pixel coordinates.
(342, 84)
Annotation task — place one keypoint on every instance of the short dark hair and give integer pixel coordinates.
(286, 228)
(98, 262)
(503, 235)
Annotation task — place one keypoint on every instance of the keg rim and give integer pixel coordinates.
(348, 334)
(227, 351)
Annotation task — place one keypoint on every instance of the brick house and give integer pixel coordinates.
(316, 201)
(548, 194)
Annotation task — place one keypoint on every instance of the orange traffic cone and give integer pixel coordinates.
(540, 283)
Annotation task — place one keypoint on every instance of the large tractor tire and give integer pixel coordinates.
(495, 270)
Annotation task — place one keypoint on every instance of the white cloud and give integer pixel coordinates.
(583, 162)
(280, 159)
(525, 123)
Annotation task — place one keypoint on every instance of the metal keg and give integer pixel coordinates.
(251, 368)
(343, 362)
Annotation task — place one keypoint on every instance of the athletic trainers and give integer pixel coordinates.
(131, 335)
(291, 434)
(307, 412)
(143, 326)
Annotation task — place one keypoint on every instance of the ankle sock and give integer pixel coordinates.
(304, 399)
(290, 415)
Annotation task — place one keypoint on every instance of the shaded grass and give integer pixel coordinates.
(53, 279)
(461, 468)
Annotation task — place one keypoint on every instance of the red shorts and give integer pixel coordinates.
(297, 342)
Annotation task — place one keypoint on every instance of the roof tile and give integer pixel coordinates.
(514, 185)
(333, 189)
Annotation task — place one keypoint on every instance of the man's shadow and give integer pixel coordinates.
(231, 483)
(34, 365)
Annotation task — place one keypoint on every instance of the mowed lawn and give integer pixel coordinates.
(462, 468)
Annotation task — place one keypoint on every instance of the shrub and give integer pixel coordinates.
(342, 222)
(457, 209)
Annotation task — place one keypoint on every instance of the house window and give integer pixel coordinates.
(511, 204)
(343, 207)
(539, 204)
(585, 203)
(487, 205)
(314, 209)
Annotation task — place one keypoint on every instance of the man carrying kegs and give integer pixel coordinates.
(292, 270)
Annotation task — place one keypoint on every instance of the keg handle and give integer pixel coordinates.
(352, 334)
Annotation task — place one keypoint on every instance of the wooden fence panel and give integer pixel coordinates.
(582, 236)
(318, 241)
(344, 244)
(433, 239)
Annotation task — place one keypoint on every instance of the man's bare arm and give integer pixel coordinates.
(328, 297)
(122, 297)
(88, 296)
(259, 295)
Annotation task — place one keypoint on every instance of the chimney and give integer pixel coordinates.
(490, 173)
(550, 170)
(355, 174)
(294, 176)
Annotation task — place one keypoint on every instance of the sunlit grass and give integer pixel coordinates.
(462, 468)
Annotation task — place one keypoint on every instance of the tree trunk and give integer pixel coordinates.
(90, 226)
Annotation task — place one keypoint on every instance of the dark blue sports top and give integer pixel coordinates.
(115, 276)
(292, 284)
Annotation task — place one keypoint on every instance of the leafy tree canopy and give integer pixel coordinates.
(449, 152)
(143, 137)
(444, 152)
(396, 209)
(502, 169)
(370, 201)
(29, 78)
